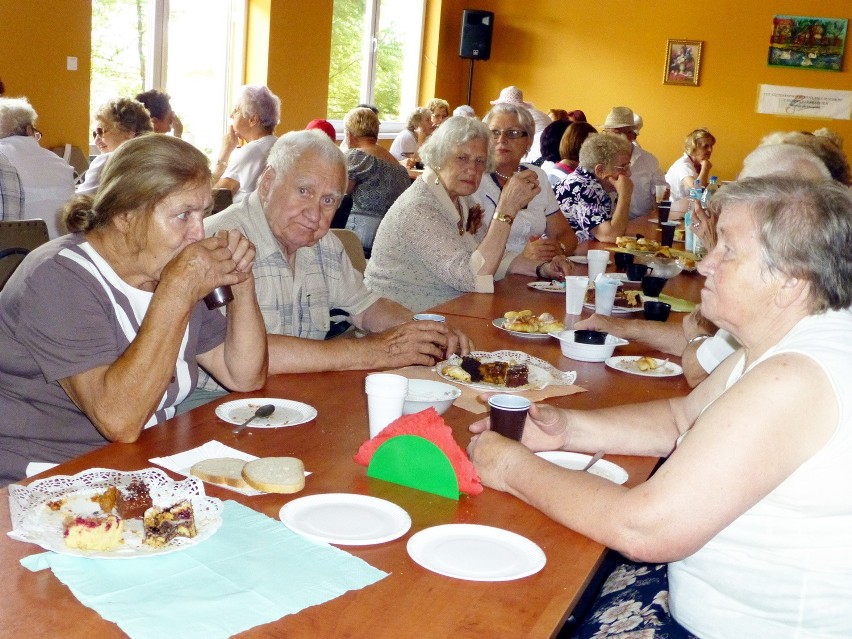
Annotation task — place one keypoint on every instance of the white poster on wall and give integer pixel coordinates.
(809, 103)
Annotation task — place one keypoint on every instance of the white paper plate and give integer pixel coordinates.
(34, 521)
(287, 412)
(476, 553)
(627, 364)
(619, 310)
(498, 323)
(548, 287)
(345, 519)
(541, 373)
(577, 461)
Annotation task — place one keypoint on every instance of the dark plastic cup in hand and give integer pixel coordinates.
(657, 311)
(508, 414)
(652, 286)
(663, 210)
(218, 297)
(667, 230)
(586, 336)
(623, 260)
(635, 272)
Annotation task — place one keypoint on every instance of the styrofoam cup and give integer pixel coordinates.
(575, 293)
(598, 259)
(385, 397)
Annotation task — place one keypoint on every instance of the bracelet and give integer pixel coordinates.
(538, 271)
(698, 338)
(502, 217)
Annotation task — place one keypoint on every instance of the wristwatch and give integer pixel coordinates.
(538, 272)
(502, 217)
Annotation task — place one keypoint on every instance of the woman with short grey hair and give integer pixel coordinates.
(407, 142)
(433, 244)
(242, 159)
(595, 198)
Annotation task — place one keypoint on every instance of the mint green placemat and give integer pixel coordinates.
(252, 571)
(678, 305)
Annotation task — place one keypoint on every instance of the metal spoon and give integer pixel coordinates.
(594, 460)
(264, 411)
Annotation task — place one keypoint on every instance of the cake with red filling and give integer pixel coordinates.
(164, 524)
(133, 500)
(95, 532)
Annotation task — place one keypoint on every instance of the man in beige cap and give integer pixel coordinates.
(513, 95)
(644, 167)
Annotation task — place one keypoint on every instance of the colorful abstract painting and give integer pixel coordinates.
(807, 43)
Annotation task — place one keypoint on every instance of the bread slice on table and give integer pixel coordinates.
(221, 470)
(275, 474)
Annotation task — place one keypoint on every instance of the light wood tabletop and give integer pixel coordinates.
(411, 601)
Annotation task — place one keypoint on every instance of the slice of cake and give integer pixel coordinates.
(517, 375)
(164, 524)
(96, 532)
(133, 500)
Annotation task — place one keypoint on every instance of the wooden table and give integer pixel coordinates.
(411, 602)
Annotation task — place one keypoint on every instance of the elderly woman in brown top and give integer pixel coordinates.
(116, 122)
(376, 179)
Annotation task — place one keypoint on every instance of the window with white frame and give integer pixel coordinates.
(192, 49)
(375, 58)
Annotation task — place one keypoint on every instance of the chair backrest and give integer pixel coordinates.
(17, 238)
(353, 247)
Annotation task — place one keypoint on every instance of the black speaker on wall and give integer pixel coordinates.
(476, 34)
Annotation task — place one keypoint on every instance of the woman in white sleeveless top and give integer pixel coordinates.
(752, 510)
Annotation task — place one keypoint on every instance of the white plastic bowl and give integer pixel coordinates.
(587, 352)
(423, 393)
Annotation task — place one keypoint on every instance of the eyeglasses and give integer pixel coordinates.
(100, 132)
(512, 134)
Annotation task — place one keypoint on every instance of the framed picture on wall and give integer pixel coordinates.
(683, 59)
(807, 43)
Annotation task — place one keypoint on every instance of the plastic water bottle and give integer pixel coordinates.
(695, 194)
(710, 191)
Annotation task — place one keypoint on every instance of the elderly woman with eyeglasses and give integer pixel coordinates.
(595, 198)
(434, 243)
(540, 232)
(116, 122)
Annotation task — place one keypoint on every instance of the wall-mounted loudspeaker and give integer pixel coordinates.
(476, 34)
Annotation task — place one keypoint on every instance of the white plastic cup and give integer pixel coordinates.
(598, 259)
(660, 193)
(385, 397)
(605, 289)
(575, 293)
(431, 317)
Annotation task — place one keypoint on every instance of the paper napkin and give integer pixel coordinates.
(254, 570)
(678, 305)
(469, 396)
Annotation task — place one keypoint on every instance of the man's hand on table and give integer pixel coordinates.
(615, 325)
(419, 343)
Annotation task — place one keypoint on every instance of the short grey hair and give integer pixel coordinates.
(258, 100)
(524, 117)
(16, 114)
(454, 132)
(786, 159)
(827, 151)
(602, 149)
(416, 118)
(804, 229)
(290, 147)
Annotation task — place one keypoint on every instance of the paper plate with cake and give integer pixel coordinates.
(527, 324)
(111, 514)
(553, 286)
(629, 301)
(507, 371)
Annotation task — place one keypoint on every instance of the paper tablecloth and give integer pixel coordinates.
(252, 571)
(469, 396)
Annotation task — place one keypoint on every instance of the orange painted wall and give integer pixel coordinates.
(35, 40)
(565, 58)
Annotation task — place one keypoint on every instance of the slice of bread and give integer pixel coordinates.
(221, 470)
(275, 474)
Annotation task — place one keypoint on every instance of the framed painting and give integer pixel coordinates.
(683, 59)
(807, 43)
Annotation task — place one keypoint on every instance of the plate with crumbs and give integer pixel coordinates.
(539, 372)
(39, 511)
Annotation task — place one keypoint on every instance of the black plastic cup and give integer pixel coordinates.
(663, 210)
(219, 297)
(623, 260)
(635, 272)
(657, 311)
(667, 230)
(652, 286)
(589, 337)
